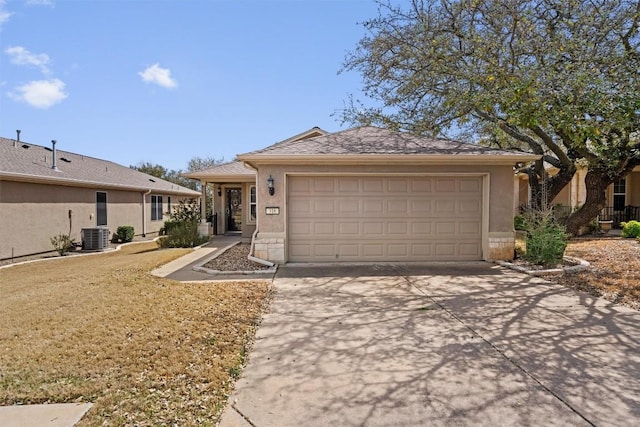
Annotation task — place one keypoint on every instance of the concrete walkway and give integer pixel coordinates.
(51, 415)
(438, 345)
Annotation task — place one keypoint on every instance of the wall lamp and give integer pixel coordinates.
(272, 190)
(219, 191)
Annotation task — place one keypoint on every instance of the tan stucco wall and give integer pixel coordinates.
(501, 194)
(633, 189)
(33, 213)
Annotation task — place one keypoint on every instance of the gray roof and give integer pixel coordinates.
(22, 161)
(369, 140)
(230, 168)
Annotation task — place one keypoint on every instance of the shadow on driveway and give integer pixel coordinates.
(455, 344)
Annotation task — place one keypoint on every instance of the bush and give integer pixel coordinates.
(630, 229)
(519, 222)
(62, 243)
(125, 233)
(182, 234)
(546, 238)
(181, 229)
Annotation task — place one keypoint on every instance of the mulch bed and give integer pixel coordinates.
(614, 273)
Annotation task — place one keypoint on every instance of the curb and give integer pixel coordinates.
(86, 253)
(581, 265)
(199, 268)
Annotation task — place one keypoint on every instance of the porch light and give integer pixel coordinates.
(219, 191)
(270, 185)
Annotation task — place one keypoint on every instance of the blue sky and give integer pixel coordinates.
(166, 81)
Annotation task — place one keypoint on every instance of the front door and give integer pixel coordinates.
(234, 209)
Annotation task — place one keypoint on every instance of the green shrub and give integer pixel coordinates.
(125, 233)
(182, 234)
(630, 229)
(181, 230)
(168, 226)
(546, 238)
(62, 243)
(519, 222)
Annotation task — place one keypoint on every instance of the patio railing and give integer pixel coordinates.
(628, 213)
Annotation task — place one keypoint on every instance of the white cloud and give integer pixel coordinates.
(41, 3)
(4, 14)
(41, 93)
(159, 76)
(21, 56)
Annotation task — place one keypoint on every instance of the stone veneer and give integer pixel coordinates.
(269, 246)
(501, 246)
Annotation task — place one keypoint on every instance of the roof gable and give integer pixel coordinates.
(23, 161)
(374, 144)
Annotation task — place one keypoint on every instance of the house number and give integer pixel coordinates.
(272, 210)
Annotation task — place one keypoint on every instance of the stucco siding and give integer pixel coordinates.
(500, 196)
(33, 213)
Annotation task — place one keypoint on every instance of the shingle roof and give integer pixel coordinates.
(234, 171)
(22, 161)
(230, 168)
(369, 140)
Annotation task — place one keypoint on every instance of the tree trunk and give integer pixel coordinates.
(596, 184)
(544, 190)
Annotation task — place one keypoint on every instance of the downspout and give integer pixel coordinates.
(144, 209)
(251, 257)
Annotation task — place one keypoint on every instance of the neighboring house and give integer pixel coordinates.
(622, 197)
(45, 192)
(369, 194)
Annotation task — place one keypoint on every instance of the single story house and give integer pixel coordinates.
(368, 194)
(622, 197)
(45, 192)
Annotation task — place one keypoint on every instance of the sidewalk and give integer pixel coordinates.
(182, 270)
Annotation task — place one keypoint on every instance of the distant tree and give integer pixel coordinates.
(161, 172)
(558, 78)
(202, 163)
(175, 176)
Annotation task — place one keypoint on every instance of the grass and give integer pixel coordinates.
(146, 350)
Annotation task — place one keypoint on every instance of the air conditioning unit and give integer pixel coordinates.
(96, 238)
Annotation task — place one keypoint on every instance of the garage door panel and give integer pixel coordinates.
(324, 229)
(384, 219)
(372, 249)
(397, 185)
(349, 228)
(349, 206)
(445, 185)
(372, 206)
(372, 185)
(470, 185)
(397, 228)
(372, 229)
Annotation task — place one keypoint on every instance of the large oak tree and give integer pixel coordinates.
(559, 78)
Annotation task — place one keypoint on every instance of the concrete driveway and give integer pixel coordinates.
(438, 345)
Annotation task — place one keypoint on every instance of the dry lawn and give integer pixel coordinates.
(147, 351)
(615, 269)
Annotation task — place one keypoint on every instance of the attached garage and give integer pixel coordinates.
(378, 218)
(373, 195)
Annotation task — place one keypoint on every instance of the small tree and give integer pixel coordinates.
(62, 243)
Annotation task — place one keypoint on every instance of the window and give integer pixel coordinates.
(156, 208)
(252, 204)
(619, 194)
(169, 205)
(101, 208)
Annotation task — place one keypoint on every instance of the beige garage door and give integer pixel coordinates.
(358, 218)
